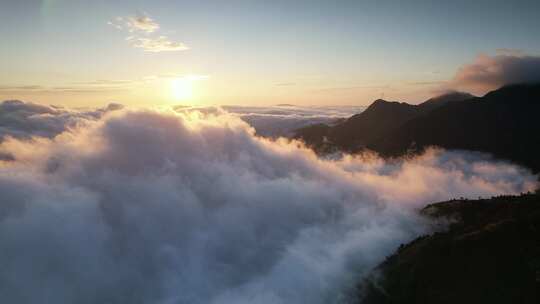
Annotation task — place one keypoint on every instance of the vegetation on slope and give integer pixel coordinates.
(489, 254)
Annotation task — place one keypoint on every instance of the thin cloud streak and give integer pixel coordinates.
(58, 89)
(426, 83)
(285, 84)
(156, 45)
(96, 86)
(353, 88)
(21, 88)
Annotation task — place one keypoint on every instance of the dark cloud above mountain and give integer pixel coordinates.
(142, 206)
(491, 72)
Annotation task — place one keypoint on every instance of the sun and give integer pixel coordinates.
(182, 88)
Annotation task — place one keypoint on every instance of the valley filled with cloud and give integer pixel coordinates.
(282, 120)
(120, 205)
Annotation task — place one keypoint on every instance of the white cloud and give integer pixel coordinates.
(158, 44)
(142, 29)
(141, 23)
(166, 207)
(138, 23)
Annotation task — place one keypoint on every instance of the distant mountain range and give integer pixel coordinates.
(504, 123)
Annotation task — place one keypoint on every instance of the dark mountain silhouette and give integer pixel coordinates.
(441, 100)
(361, 130)
(489, 254)
(503, 123)
(379, 118)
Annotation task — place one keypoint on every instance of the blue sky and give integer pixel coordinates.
(252, 52)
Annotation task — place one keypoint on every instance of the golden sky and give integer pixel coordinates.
(89, 53)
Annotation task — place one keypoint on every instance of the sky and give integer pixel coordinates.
(90, 53)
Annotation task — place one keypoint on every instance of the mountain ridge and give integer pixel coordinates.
(501, 123)
(489, 253)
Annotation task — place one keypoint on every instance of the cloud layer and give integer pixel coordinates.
(491, 72)
(168, 207)
(284, 120)
(24, 120)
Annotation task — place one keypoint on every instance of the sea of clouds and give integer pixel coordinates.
(283, 120)
(168, 206)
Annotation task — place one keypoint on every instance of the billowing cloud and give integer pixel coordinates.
(168, 207)
(491, 72)
(141, 29)
(25, 120)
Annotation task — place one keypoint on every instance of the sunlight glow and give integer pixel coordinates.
(182, 88)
